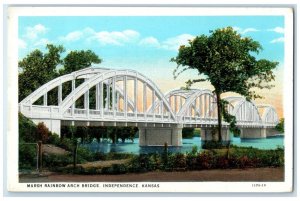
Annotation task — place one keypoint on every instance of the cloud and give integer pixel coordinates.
(115, 37)
(277, 30)
(73, 36)
(42, 42)
(149, 41)
(33, 32)
(244, 31)
(175, 42)
(278, 40)
(22, 44)
(172, 43)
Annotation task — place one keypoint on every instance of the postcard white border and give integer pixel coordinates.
(12, 61)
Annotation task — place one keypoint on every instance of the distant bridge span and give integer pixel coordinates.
(128, 98)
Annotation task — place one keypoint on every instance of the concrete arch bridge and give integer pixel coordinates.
(129, 98)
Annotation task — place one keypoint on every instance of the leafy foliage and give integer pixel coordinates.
(27, 130)
(38, 68)
(77, 60)
(240, 157)
(280, 125)
(225, 59)
(43, 132)
(188, 132)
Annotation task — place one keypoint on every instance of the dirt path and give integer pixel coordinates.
(252, 174)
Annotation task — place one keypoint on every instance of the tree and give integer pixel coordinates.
(280, 125)
(225, 59)
(77, 60)
(38, 68)
(43, 132)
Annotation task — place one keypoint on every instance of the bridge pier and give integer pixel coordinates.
(271, 132)
(54, 125)
(158, 136)
(211, 134)
(248, 133)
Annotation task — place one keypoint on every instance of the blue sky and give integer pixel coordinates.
(147, 38)
(145, 43)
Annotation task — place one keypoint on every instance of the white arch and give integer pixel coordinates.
(83, 73)
(269, 114)
(250, 109)
(192, 99)
(80, 90)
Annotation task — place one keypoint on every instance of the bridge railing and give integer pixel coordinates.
(39, 111)
(96, 114)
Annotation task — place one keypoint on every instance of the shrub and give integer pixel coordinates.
(42, 132)
(213, 145)
(119, 169)
(84, 155)
(27, 130)
(205, 160)
(222, 162)
(54, 162)
(192, 162)
(180, 161)
(188, 132)
(27, 156)
(54, 139)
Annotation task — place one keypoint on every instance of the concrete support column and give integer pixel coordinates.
(152, 136)
(177, 135)
(247, 133)
(211, 134)
(142, 136)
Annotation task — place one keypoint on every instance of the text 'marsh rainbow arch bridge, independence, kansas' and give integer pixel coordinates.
(132, 99)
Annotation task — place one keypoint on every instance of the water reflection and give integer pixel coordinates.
(187, 144)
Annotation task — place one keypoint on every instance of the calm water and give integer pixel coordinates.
(133, 147)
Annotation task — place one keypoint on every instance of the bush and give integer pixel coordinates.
(84, 155)
(222, 162)
(188, 132)
(42, 132)
(27, 156)
(180, 161)
(54, 139)
(27, 130)
(213, 145)
(205, 160)
(54, 162)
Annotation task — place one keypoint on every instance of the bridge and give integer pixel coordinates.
(129, 98)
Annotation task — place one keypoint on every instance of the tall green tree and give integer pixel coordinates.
(77, 60)
(38, 68)
(227, 61)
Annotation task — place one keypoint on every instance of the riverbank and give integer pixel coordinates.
(224, 175)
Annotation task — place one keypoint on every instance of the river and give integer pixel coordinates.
(187, 144)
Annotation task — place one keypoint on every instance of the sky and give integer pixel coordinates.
(147, 43)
